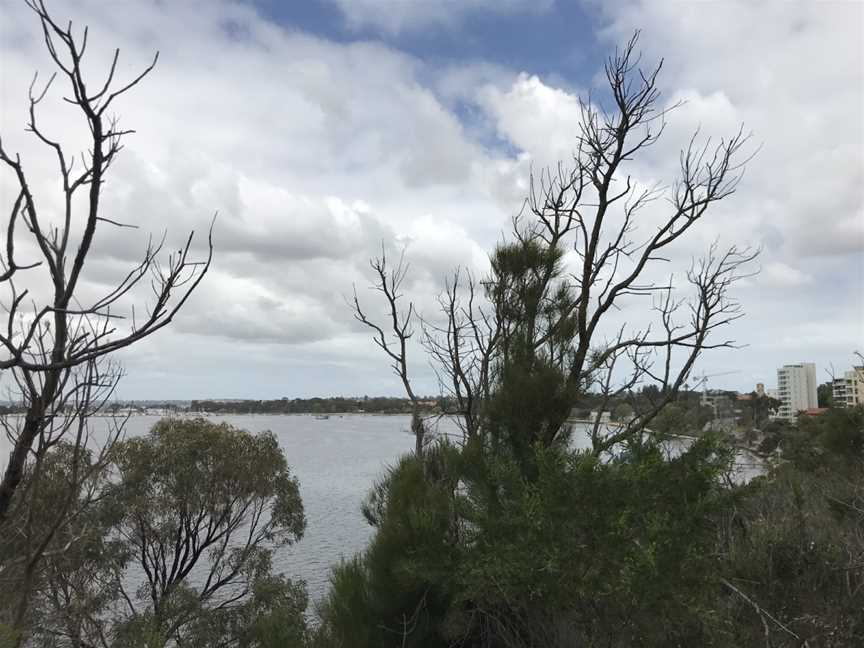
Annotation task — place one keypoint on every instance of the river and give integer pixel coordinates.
(336, 461)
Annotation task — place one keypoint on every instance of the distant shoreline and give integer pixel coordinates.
(228, 413)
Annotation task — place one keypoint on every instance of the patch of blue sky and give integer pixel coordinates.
(559, 43)
(560, 46)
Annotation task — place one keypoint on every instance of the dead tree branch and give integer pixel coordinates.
(394, 343)
(62, 333)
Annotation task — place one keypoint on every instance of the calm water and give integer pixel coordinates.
(336, 461)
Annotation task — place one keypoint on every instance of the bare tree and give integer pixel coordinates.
(614, 262)
(537, 311)
(653, 360)
(462, 349)
(50, 338)
(401, 328)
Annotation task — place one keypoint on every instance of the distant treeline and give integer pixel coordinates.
(335, 405)
(355, 404)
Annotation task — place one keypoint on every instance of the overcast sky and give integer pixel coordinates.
(317, 130)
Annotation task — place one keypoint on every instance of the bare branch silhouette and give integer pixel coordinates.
(46, 345)
(394, 342)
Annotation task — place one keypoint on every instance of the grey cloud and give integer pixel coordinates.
(259, 325)
(313, 152)
(793, 76)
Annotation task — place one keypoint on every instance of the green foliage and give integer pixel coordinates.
(825, 395)
(272, 616)
(186, 467)
(529, 406)
(194, 510)
(636, 550)
(332, 405)
(757, 410)
(682, 418)
(833, 438)
(839, 432)
(606, 549)
(9, 637)
(794, 544)
(59, 521)
(275, 615)
(514, 539)
(793, 541)
(403, 580)
(622, 412)
(583, 550)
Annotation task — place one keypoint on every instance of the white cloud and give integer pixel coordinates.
(313, 152)
(777, 274)
(538, 119)
(794, 75)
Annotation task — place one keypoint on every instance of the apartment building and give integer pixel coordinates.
(848, 391)
(796, 389)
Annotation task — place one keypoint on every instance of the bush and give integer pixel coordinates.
(584, 551)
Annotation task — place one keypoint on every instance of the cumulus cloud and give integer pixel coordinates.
(536, 118)
(311, 152)
(314, 151)
(795, 77)
(246, 310)
(777, 274)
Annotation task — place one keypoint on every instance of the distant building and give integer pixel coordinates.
(721, 402)
(759, 392)
(848, 391)
(796, 389)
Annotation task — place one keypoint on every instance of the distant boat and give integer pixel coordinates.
(322, 417)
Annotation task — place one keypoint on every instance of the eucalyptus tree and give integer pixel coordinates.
(178, 550)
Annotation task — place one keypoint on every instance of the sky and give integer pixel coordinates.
(319, 130)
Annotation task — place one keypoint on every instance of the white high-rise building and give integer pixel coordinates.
(796, 389)
(848, 391)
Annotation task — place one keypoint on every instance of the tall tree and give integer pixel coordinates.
(825, 394)
(513, 538)
(538, 317)
(179, 549)
(393, 337)
(63, 329)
